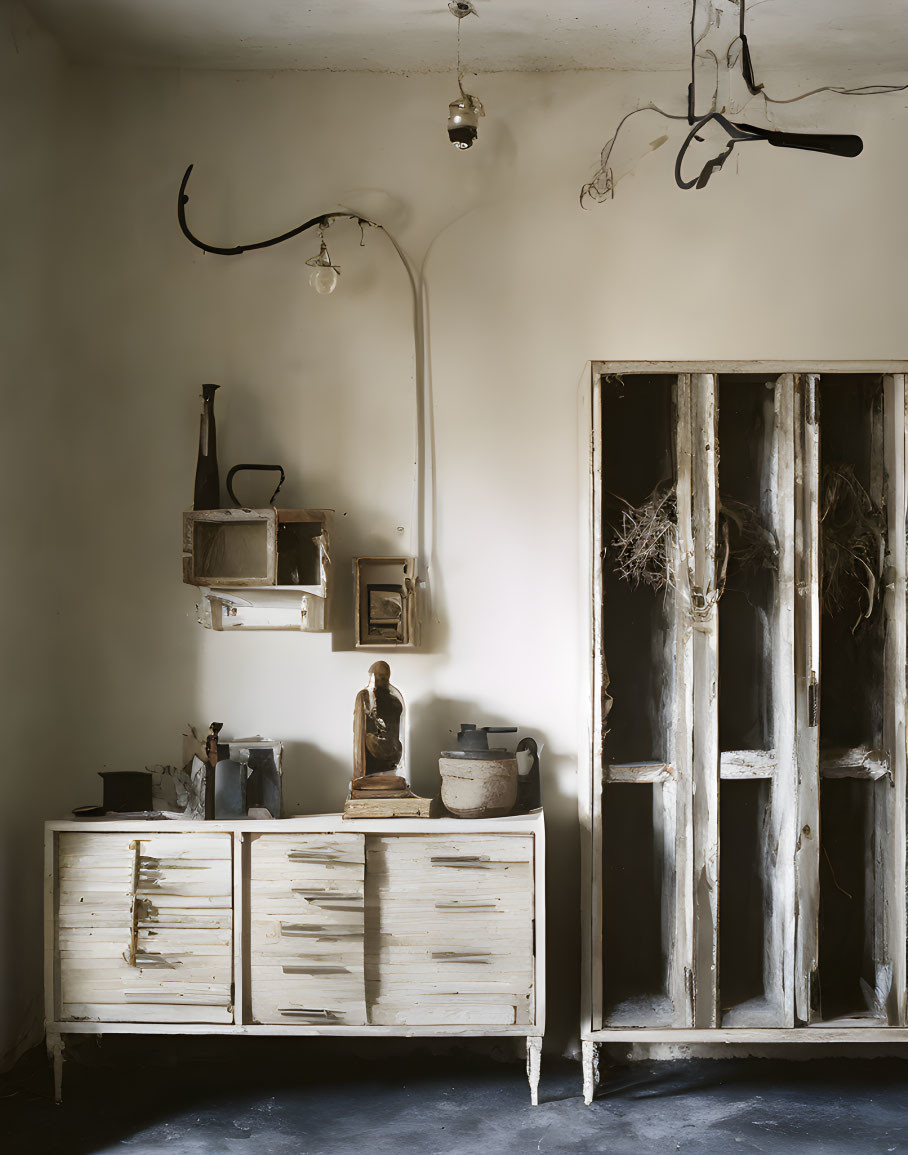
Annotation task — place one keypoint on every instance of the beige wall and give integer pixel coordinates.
(31, 477)
(785, 255)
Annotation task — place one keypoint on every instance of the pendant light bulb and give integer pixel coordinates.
(465, 111)
(463, 120)
(323, 277)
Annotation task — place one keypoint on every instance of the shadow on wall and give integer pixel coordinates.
(314, 781)
(359, 536)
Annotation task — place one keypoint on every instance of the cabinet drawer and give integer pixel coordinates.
(449, 930)
(144, 927)
(306, 928)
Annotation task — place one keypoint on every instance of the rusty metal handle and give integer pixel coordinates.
(479, 861)
(130, 959)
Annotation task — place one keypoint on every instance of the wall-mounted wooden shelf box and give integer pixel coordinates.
(265, 569)
(385, 601)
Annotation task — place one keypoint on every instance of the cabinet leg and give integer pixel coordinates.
(55, 1048)
(534, 1059)
(590, 1070)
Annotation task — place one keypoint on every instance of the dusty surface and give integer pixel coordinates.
(316, 1100)
(410, 35)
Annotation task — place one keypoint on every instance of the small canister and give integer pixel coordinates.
(477, 782)
(230, 789)
(126, 791)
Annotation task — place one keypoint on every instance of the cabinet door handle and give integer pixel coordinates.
(320, 897)
(477, 957)
(314, 970)
(457, 905)
(479, 861)
(329, 933)
(130, 959)
(309, 1015)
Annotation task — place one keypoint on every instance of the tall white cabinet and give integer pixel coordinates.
(743, 801)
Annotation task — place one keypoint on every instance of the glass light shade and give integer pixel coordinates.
(323, 279)
(463, 120)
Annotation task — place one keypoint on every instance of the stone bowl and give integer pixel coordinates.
(478, 787)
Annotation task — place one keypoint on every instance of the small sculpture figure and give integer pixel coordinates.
(378, 732)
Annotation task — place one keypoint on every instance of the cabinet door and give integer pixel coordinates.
(306, 929)
(449, 930)
(144, 928)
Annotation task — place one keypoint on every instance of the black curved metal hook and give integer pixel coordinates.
(735, 135)
(323, 220)
(835, 144)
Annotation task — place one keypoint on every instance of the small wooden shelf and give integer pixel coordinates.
(385, 593)
(259, 569)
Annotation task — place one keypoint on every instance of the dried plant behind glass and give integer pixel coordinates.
(853, 540)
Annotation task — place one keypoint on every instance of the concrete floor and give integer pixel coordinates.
(309, 1099)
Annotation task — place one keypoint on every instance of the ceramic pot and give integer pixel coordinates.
(478, 787)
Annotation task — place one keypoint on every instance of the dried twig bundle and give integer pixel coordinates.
(853, 539)
(644, 538)
(751, 545)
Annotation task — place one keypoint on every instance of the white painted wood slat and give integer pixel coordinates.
(778, 855)
(704, 610)
(890, 790)
(678, 796)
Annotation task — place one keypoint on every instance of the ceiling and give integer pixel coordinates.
(835, 38)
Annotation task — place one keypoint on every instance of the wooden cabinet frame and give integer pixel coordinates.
(693, 765)
(523, 829)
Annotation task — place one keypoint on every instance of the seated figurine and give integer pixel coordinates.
(378, 730)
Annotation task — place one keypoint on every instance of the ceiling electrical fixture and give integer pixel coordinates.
(323, 277)
(465, 111)
(602, 186)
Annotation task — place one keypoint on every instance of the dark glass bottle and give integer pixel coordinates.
(207, 482)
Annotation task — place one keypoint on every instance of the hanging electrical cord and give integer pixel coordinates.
(423, 463)
(320, 222)
(602, 185)
(756, 89)
(465, 111)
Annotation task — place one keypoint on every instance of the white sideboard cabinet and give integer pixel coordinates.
(304, 926)
(744, 803)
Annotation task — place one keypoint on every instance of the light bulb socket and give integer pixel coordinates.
(323, 260)
(463, 120)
